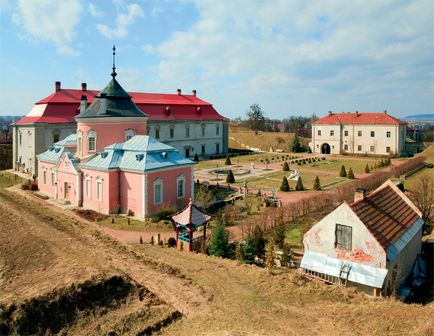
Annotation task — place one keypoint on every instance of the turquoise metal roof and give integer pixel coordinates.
(70, 140)
(54, 152)
(140, 153)
(359, 273)
(396, 248)
(73, 160)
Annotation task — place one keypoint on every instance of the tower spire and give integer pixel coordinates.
(114, 63)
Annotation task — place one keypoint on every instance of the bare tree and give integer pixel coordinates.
(423, 190)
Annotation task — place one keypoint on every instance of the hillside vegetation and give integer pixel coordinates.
(264, 140)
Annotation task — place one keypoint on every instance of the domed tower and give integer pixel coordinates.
(112, 117)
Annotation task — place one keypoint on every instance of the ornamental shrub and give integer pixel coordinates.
(285, 185)
(230, 177)
(285, 166)
(228, 161)
(343, 172)
(316, 184)
(351, 174)
(299, 185)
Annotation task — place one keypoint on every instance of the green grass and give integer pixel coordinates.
(8, 179)
(121, 223)
(334, 165)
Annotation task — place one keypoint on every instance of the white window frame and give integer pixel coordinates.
(80, 143)
(91, 134)
(158, 182)
(388, 134)
(88, 187)
(180, 178)
(44, 176)
(53, 178)
(128, 134)
(99, 193)
(359, 148)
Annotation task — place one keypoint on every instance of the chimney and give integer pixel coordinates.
(178, 91)
(359, 194)
(330, 112)
(83, 87)
(357, 113)
(83, 103)
(57, 86)
(385, 111)
(194, 92)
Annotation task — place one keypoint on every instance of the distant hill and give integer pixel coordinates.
(419, 117)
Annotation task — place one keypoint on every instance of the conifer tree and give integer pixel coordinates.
(219, 245)
(351, 174)
(299, 186)
(285, 185)
(258, 242)
(230, 177)
(316, 184)
(343, 172)
(228, 161)
(295, 145)
(367, 170)
(285, 166)
(388, 162)
(248, 250)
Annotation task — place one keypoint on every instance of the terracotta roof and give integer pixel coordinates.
(379, 118)
(64, 104)
(191, 214)
(387, 213)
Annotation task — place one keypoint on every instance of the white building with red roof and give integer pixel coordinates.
(183, 121)
(365, 133)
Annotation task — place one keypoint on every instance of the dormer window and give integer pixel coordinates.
(129, 133)
(91, 141)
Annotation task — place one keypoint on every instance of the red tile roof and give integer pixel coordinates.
(63, 105)
(379, 118)
(386, 213)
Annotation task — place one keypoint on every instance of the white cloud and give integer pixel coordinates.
(95, 12)
(342, 52)
(50, 21)
(122, 22)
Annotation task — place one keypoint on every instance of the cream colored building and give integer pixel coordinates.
(364, 133)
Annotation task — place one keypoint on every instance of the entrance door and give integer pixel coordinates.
(65, 190)
(325, 148)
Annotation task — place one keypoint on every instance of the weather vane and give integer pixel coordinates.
(114, 65)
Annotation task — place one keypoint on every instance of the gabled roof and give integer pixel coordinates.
(366, 118)
(387, 213)
(191, 214)
(140, 153)
(63, 105)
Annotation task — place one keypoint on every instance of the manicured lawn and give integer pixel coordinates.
(334, 165)
(121, 223)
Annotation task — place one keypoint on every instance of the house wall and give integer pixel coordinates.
(170, 199)
(107, 133)
(46, 188)
(65, 173)
(380, 142)
(132, 193)
(195, 140)
(109, 202)
(365, 249)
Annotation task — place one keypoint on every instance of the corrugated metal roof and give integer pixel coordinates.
(145, 143)
(54, 152)
(395, 249)
(70, 140)
(359, 273)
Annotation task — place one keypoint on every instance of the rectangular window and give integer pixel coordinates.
(21, 138)
(359, 148)
(345, 133)
(372, 148)
(180, 188)
(52, 179)
(88, 188)
(387, 134)
(187, 132)
(45, 177)
(203, 149)
(359, 133)
(343, 235)
(91, 144)
(319, 132)
(387, 149)
(332, 133)
(99, 191)
(217, 130)
(217, 148)
(172, 132)
(346, 147)
(372, 134)
(203, 131)
(157, 133)
(157, 193)
(56, 137)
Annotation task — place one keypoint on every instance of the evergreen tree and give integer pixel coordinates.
(279, 234)
(228, 161)
(343, 172)
(351, 174)
(249, 250)
(285, 166)
(285, 185)
(367, 170)
(295, 145)
(258, 242)
(219, 245)
(299, 185)
(316, 184)
(230, 177)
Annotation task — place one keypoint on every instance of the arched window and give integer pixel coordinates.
(91, 141)
(79, 143)
(203, 129)
(53, 178)
(180, 186)
(45, 176)
(99, 188)
(158, 191)
(129, 133)
(88, 186)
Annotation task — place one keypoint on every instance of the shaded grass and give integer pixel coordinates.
(121, 223)
(8, 179)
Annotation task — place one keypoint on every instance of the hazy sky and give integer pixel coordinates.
(291, 57)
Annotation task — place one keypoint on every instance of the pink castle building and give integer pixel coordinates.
(111, 165)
